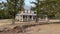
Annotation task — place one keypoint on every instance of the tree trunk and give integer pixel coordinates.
(13, 21)
(36, 19)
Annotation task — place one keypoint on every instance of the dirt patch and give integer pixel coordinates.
(38, 29)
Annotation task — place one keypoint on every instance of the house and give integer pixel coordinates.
(26, 15)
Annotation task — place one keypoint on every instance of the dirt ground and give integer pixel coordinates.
(44, 29)
(38, 29)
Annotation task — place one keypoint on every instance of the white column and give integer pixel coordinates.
(19, 18)
(32, 17)
(27, 18)
(46, 18)
(22, 17)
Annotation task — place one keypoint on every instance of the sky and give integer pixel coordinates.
(27, 3)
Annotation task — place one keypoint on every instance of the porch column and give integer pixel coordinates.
(18, 18)
(27, 18)
(22, 17)
(32, 17)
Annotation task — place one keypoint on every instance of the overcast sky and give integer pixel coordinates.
(27, 3)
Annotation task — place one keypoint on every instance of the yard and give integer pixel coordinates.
(38, 29)
(44, 29)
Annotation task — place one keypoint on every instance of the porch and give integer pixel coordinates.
(28, 18)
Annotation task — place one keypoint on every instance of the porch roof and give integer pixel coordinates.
(27, 14)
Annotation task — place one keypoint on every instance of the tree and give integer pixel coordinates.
(2, 10)
(38, 5)
(14, 6)
(47, 7)
(52, 7)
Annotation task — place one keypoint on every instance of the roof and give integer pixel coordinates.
(27, 14)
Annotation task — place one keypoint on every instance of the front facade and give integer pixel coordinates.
(26, 15)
